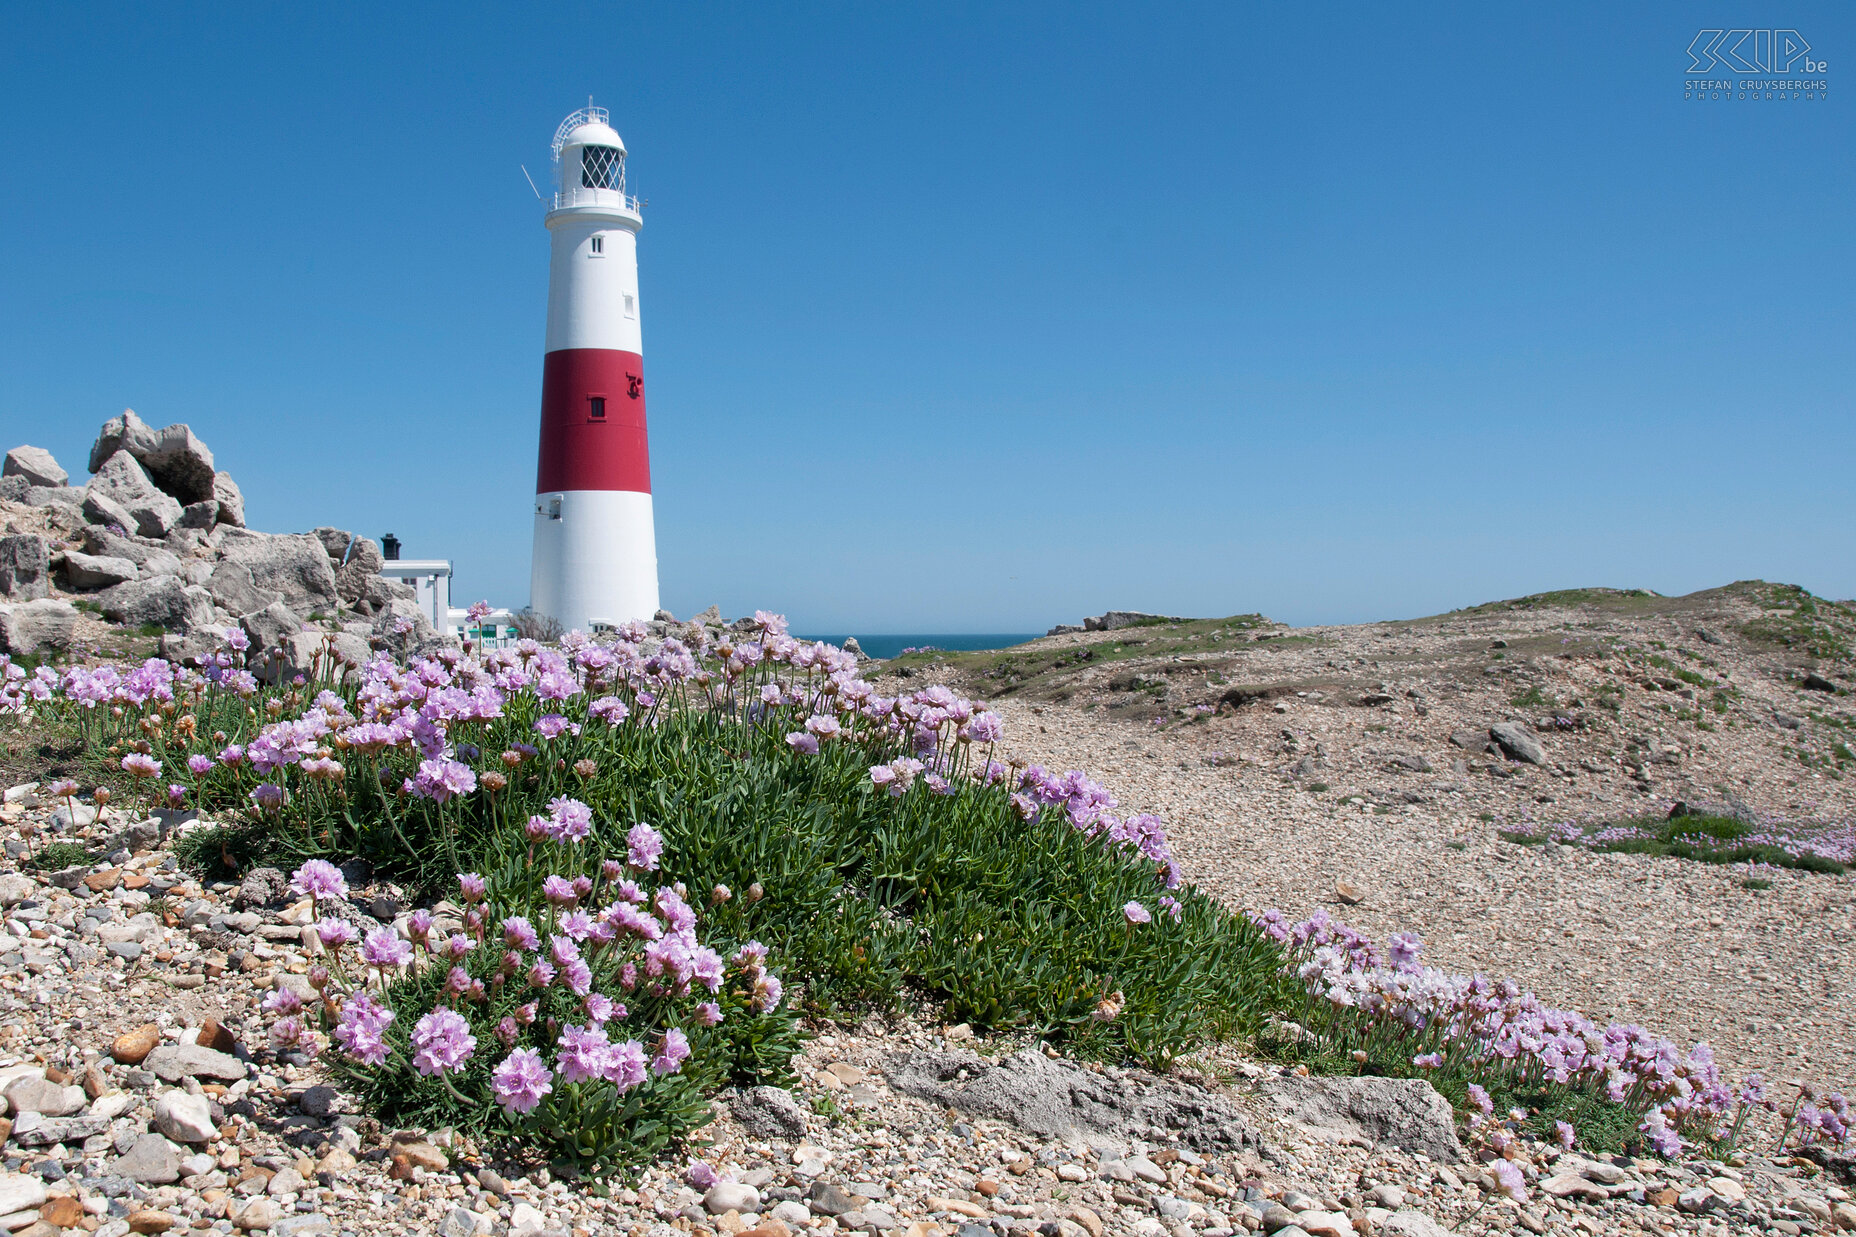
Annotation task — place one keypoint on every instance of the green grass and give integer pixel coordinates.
(57, 856)
(1627, 600)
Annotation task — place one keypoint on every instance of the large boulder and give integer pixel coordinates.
(180, 464)
(201, 515)
(231, 500)
(152, 559)
(362, 564)
(1518, 742)
(166, 601)
(231, 586)
(293, 566)
(269, 627)
(54, 496)
(14, 489)
(87, 571)
(36, 465)
(44, 625)
(101, 509)
(25, 567)
(335, 542)
(124, 480)
(128, 432)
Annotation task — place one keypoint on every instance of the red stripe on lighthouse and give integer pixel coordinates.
(581, 450)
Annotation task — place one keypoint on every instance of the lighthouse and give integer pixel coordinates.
(595, 557)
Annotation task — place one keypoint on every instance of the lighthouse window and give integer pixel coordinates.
(599, 244)
(596, 407)
(631, 306)
(602, 167)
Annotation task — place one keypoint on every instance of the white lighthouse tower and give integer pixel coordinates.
(595, 557)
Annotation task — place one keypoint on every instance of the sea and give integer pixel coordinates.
(890, 646)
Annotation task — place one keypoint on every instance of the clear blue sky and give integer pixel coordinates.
(975, 317)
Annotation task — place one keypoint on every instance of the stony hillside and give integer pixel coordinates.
(1588, 702)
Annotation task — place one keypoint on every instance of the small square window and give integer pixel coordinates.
(596, 407)
(599, 244)
(631, 306)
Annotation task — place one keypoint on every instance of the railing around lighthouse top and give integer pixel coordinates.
(565, 198)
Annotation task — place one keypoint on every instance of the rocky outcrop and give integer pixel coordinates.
(158, 535)
(1405, 1112)
(1056, 1098)
(43, 626)
(25, 568)
(36, 465)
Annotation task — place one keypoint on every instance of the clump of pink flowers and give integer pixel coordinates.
(1363, 992)
(546, 977)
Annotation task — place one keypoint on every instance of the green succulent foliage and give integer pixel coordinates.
(57, 855)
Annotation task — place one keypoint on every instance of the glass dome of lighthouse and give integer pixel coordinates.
(590, 157)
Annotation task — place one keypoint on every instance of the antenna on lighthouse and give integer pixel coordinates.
(530, 180)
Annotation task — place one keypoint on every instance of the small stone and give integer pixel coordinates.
(339, 1160)
(177, 1062)
(1349, 895)
(423, 1155)
(19, 1192)
(791, 1212)
(525, 1221)
(1145, 1169)
(318, 1101)
(43, 1096)
(214, 1036)
(258, 1213)
(827, 1199)
(492, 1181)
(185, 1118)
(62, 1210)
(458, 1222)
(1072, 1172)
(311, 1224)
(131, 1047)
(150, 1159)
(285, 1181)
(1388, 1196)
(1088, 1219)
(1727, 1188)
(726, 1196)
(150, 1221)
